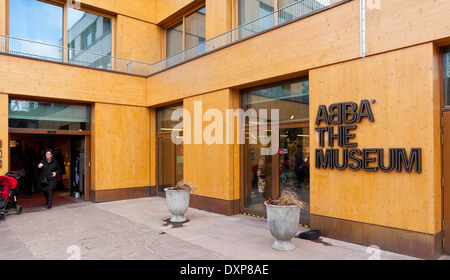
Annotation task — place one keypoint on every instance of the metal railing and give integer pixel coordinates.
(286, 14)
(62, 54)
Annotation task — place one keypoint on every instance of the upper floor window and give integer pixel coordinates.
(41, 24)
(446, 73)
(187, 33)
(251, 10)
(174, 39)
(312, 4)
(92, 33)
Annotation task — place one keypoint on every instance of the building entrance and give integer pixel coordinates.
(269, 175)
(265, 176)
(169, 152)
(35, 126)
(70, 151)
(170, 163)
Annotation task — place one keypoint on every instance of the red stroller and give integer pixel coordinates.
(8, 185)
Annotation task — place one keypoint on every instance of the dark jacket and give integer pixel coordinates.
(46, 172)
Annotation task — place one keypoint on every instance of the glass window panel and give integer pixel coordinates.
(292, 100)
(311, 4)
(164, 123)
(264, 175)
(174, 39)
(164, 163)
(257, 175)
(91, 33)
(195, 28)
(290, 11)
(39, 115)
(447, 77)
(294, 154)
(170, 155)
(252, 9)
(249, 11)
(36, 21)
(284, 3)
(179, 162)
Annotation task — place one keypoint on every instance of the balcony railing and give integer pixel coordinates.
(62, 54)
(286, 14)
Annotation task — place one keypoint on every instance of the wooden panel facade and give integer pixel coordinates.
(240, 65)
(144, 10)
(3, 17)
(403, 23)
(406, 116)
(168, 10)
(401, 73)
(219, 17)
(137, 40)
(4, 135)
(211, 168)
(54, 81)
(121, 147)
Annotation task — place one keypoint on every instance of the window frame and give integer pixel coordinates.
(65, 6)
(276, 5)
(444, 106)
(174, 22)
(8, 17)
(52, 131)
(160, 134)
(283, 124)
(237, 10)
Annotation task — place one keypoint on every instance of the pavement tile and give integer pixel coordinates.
(138, 229)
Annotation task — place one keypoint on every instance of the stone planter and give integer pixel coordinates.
(178, 204)
(283, 225)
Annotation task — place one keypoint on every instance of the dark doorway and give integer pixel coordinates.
(26, 150)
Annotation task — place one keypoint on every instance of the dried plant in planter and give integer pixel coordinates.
(288, 198)
(283, 215)
(181, 185)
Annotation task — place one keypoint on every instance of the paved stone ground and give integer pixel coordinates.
(137, 229)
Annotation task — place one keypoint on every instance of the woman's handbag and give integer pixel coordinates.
(44, 181)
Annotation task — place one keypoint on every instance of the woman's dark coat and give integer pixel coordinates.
(46, 171)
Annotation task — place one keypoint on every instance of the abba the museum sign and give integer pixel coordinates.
(340, 120)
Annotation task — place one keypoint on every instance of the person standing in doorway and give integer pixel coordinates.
(60, 159)
(49, 169)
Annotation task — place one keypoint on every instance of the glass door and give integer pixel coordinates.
(294, 165)
(170, 163)
(169, 154)
(165, 163)
(258, 185)
(267, 176)
(179, 162)
(78, 171)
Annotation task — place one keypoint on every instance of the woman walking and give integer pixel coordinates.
(48, 172)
